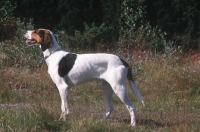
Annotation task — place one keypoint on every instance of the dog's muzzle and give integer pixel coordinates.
(30, 41)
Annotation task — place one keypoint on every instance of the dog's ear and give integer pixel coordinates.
(46, 39)
(41, 33)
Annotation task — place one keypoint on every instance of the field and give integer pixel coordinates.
(170, 85)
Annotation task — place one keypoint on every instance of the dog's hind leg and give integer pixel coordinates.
(118, 83)
(108, 92)
(120, 91)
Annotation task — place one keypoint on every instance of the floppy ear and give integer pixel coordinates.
(46, 39)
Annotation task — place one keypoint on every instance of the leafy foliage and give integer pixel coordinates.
(175, 16)
(92, 38)
(137, 29)
(132, 17)
(6, 19)
(179, 18)
(18, 52)
(157, 22)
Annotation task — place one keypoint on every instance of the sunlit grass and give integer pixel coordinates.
(29, 100)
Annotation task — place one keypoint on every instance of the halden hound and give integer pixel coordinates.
(68, 69)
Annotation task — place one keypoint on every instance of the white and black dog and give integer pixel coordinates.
(68, 69)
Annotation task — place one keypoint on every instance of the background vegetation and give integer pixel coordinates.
(176, 21)
(157, 39)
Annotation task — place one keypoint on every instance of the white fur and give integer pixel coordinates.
(28, 34)
(87, 67)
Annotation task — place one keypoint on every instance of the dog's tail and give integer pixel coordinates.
(136, 91)
(132, 84)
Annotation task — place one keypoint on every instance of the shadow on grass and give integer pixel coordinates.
(152, 123)
(145, 122)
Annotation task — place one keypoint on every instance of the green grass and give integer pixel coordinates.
(29, 101)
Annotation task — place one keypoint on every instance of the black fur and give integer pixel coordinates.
(66, 64)
(129, 74)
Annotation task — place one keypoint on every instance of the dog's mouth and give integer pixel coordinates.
(31, 41)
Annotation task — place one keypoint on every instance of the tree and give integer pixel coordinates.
(175, 16)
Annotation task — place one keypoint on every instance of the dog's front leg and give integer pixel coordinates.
(64, 92)
(108, 92)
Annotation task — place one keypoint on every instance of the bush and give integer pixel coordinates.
(6, 19)
(17, 52)
(13, 48)
(93, 38)
(137, 29)
(179, 18)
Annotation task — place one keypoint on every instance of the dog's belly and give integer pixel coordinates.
(78, 76)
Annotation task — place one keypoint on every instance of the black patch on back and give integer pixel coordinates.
(66, 64)
(129, 74)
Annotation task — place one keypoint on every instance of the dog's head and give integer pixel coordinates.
(40, 37)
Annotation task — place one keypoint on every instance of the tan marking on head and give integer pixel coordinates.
(43, 37)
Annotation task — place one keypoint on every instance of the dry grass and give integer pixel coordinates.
(29, 101)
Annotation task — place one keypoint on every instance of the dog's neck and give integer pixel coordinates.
(55, 47)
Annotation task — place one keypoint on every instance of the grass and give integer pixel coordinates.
(29, 101)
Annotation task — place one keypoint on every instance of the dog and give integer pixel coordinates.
(68, 69)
